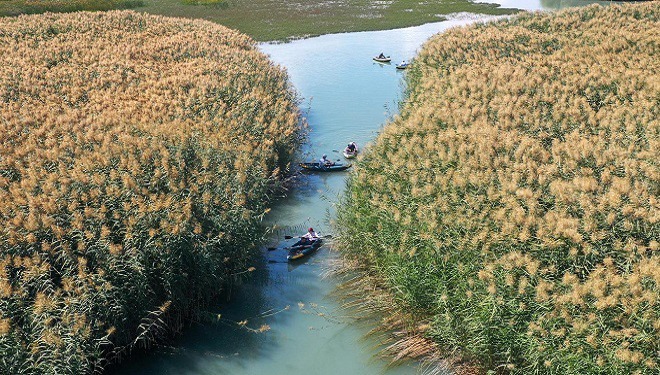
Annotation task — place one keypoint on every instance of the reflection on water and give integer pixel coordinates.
(346, 97)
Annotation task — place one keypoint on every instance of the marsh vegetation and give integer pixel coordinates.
(17, 7)
(513, 209)
(268, 20)
(137, 157)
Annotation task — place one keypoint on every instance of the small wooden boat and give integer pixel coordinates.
(318, 167)
(300, 251)
(402, 66)
(382, 59)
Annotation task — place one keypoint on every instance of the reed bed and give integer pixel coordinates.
(514, 203)
(138, 154)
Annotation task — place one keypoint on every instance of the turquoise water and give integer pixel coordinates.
(346, 97)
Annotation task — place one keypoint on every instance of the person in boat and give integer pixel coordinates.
(308, 237)
(311, 235)
(403, 63)
(381, 56)
(351, 148)
(325, 162)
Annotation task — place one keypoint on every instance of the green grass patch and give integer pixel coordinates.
(269, 20)
(222, 3)
(16, 7)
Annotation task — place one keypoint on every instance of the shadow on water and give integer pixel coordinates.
(281, 254)
(235, 333)
(291, 266)
(219, 335)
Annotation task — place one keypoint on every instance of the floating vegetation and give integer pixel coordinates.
(514, 204)
(138, 154)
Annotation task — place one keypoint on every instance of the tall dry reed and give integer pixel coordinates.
(515, 203)
(137, 157)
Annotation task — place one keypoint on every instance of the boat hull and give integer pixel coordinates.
(350, 155)
(317, 167)
(299, 252)
(385, 60)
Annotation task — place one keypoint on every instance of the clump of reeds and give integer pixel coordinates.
(514, 204)
(137, 157)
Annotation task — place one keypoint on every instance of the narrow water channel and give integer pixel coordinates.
(346, 97)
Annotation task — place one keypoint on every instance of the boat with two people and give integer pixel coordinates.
(318, 167)
(325, 165)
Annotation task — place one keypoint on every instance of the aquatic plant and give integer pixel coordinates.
(138, 154)
(514, 204)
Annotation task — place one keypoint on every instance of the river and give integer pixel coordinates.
(345, 97)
